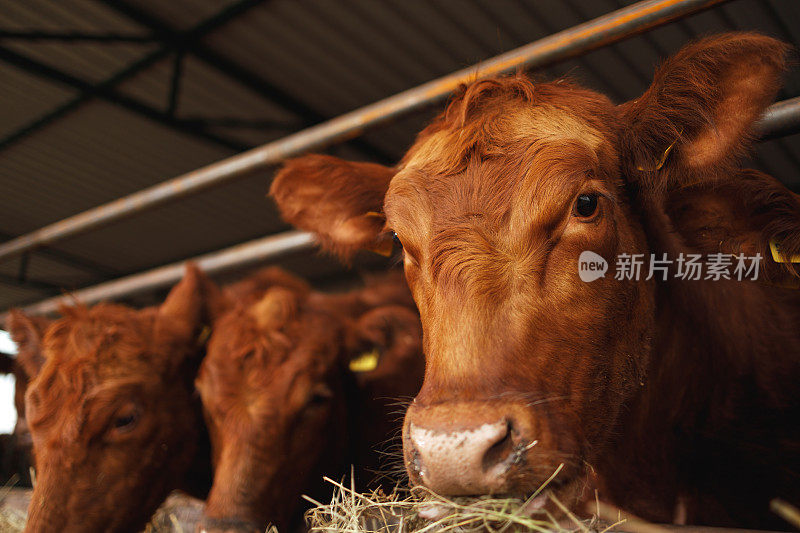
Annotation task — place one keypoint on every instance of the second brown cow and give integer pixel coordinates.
(297, 384)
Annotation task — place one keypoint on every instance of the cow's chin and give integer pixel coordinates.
(567, 490)
(571, 490)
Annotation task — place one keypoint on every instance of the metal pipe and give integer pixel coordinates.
(258, 251)
(571, 42)
(780, 117)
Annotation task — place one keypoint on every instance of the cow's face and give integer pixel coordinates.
(271, 391)
(529, 367)
(111, 414)
(276, 381)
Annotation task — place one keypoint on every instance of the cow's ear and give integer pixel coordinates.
(215, 301)
(341, 202)
(180, 318)
(750, 213)
(697, 118)
(386, 341)
(27, 332)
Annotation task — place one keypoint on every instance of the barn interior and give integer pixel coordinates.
(100, 99)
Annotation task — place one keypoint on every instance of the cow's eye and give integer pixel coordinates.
(320, 395)
(126, 420)
(397, 241)
(585, 205)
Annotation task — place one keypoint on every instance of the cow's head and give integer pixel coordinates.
(528, 366)
(112, 414)
(274, 389)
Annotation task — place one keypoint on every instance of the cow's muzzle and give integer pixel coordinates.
(457, 455)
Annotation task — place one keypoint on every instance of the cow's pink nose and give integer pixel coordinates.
(464, 461)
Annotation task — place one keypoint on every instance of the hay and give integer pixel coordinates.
(419, 510)
(12, 520)
(787, 511)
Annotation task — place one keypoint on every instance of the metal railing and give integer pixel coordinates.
(578, 40)
(780, 119)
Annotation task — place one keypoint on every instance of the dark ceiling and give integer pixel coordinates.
(101, 98)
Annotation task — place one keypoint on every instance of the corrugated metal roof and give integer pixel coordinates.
(273, 68)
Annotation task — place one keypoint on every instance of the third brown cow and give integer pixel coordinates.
(676, 397)
(296, 384)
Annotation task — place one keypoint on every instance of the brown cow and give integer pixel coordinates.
(678, 394)
(282, 406)
(113, 414)
(27, 333)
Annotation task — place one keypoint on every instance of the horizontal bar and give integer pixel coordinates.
(70, 36)
(782, 116)
(259, 251)
(780, 119)
(571, 42)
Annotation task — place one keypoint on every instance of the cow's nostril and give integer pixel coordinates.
(414, 463)
(499, 452)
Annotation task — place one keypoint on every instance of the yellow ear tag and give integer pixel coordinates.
(778, 256)
(204, 335)
(366, 362)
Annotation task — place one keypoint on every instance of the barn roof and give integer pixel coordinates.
(101, 98)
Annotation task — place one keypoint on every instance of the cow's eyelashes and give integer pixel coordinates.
(586, 205)
(125, 420)
(409, 253)
(396, 240)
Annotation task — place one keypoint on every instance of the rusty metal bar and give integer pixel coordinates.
(779, 119)
(258, 251)
(571, 42)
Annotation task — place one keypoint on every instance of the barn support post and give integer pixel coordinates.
(780, 119)
(571, 42)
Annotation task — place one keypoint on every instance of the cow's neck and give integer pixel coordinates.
(712, 363)
(199, 476)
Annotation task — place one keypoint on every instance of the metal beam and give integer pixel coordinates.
(563, 45)
(780, 117)
(80, 263)
(72, 37)
(32, 284)
(242, 123)
(197, 32)
(258, 251)
(235, 71)
(110, 95)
